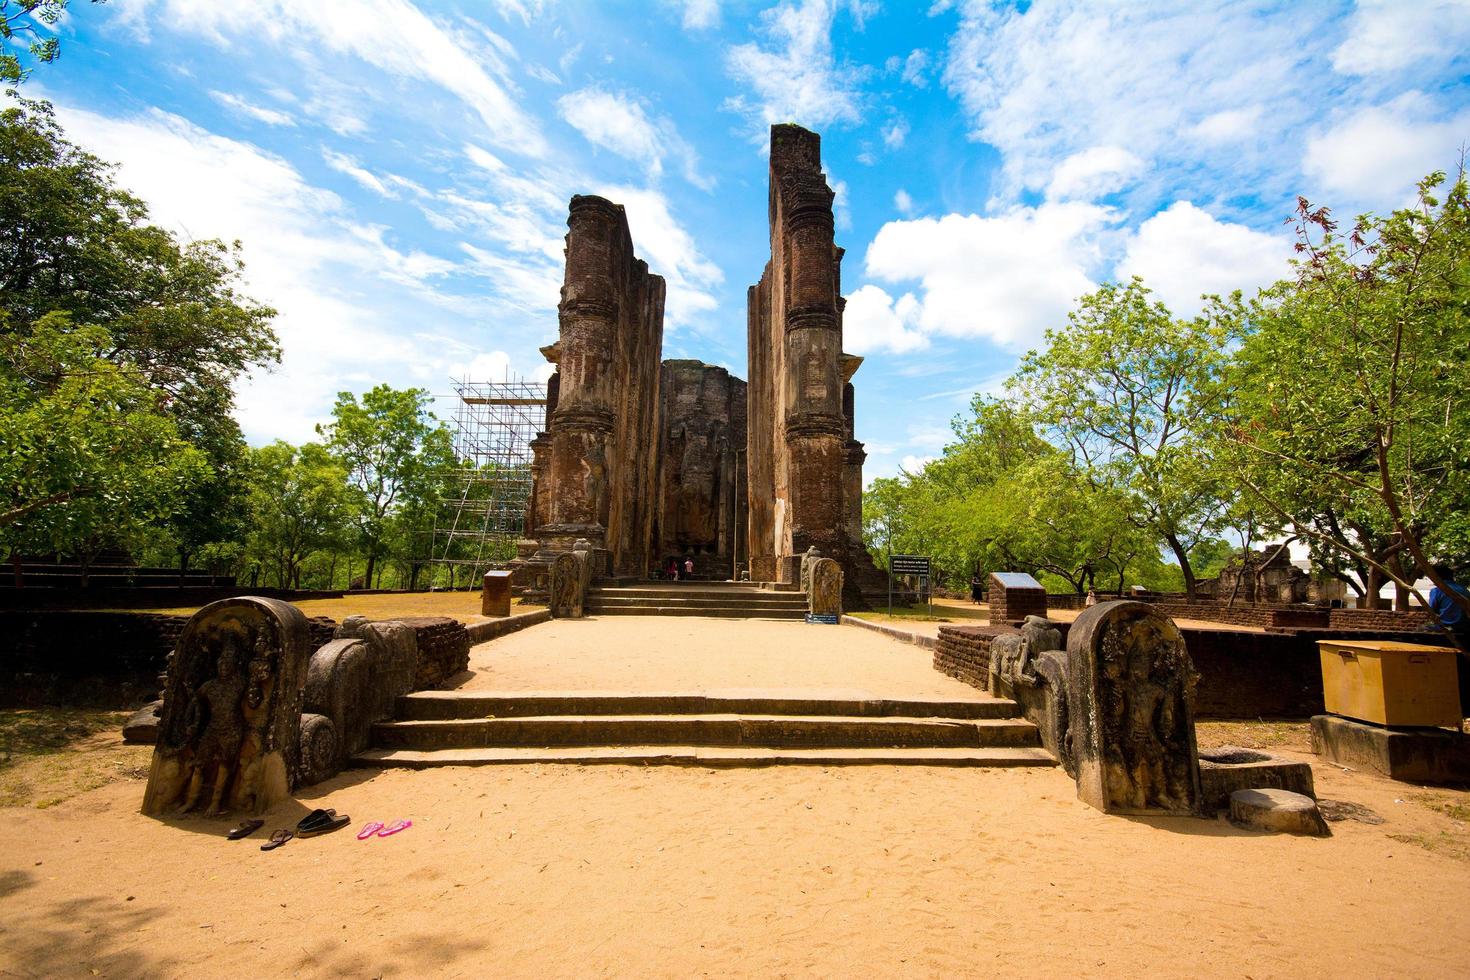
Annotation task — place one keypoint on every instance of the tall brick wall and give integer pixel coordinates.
(700, 471)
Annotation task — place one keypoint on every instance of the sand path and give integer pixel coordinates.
(670, 653)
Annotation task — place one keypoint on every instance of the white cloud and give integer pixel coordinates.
(1390, 35)
(1375, 156)
(895, 133)
(903, 202)
(342, 163)
(1228, 126)
(699, 15)
(1064, 76)
(841, 213)
(343, 290)
(392, 35)
(873, 321)
(795, 79)
(271, 117)
(914, 465)
(1184, 252)
(620, 123)
(1005, 278)
(670, 251)
(916, 67)
(1093, 173)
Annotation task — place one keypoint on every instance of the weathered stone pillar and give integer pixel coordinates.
(812, 411)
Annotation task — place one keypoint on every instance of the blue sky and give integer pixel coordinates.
(399, 171)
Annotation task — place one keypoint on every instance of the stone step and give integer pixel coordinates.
(725, 612)
(676, 602)
(767, 731)
(442, 705)
(732, 594)
(709, 756)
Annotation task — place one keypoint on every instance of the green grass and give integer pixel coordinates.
(48, 755)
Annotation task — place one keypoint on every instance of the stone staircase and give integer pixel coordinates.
(728, 600)
(745, 728)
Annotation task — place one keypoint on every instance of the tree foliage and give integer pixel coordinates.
(1348, 400)
(1122, 387)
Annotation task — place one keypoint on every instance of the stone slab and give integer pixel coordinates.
(1277, 810)
(1413, 755)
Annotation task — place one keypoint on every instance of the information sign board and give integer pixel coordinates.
(909, 565)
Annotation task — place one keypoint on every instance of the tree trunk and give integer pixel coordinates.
(367, 576)
(183, 566)
(1371, 599)
(413, 576)
(1182, 555)
(15, 567)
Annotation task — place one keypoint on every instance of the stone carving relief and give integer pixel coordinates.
(228, 735)
(1131, 711)
(824, 597)
(1014, 655)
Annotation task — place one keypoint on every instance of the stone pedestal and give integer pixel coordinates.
(1130, 705)
(1414, 755)
(1013, 597)
(495, 594)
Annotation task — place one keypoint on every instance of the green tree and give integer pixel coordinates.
(387, 443)
(29, 23)
(1123, 387)
(89, 452)
(1349, 416)
(300, 503)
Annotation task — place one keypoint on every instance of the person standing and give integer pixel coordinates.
(1451, 619)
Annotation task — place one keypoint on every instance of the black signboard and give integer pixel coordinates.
(827, 619)
(908, 565)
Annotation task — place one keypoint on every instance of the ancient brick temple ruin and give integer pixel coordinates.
(648, 461)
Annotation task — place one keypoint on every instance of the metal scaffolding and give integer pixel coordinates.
(494, 423)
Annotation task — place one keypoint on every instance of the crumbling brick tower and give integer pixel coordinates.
(804, 467)
(595, 467)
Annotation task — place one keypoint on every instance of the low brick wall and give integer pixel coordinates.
(92, 659)
(1378, 619)
(444, 649)
(963, 652)
(1242, 675)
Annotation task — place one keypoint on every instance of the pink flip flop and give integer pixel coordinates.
(369, 830)
(395, 827)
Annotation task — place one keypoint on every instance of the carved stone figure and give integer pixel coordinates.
(824, 598)
(1014, 655)
(231, 709)
(807, 559)
(567, 590)
(1131, 711)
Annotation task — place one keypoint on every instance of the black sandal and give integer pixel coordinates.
(333, 823)
(278, 837)
(314, 819)
(246, 828)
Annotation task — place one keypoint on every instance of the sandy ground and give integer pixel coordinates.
(674, 653)
(571, 871)
(595, 871)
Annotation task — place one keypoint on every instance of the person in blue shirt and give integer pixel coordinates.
(1450, 615)
(1452, 620)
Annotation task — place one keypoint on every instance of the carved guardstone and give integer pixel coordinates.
(824, 598)
(568, 592)
(228, 736)
(1130, 705)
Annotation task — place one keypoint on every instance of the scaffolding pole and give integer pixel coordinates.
(477, 526)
